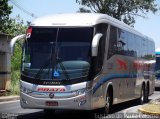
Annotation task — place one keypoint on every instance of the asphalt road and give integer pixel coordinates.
(13, 109)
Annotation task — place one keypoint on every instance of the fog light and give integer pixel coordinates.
(82, 103)
(89, 85)
(24, 101)
(81, 91)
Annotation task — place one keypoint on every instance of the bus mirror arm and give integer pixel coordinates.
(13, 41)
(95, 44)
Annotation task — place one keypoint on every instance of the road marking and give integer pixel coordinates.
(9, 101)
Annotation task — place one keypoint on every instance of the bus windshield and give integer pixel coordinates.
(57, 53)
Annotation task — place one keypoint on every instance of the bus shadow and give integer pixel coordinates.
(121, 106)
(73, 114)
(76, 114)
(35, 115)
(59, 114)
(157, 89)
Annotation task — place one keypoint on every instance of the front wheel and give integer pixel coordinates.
(108, 103)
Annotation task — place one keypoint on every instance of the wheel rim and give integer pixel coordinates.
(142, 96)
(107, 105)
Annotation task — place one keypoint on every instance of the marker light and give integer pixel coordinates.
(29, 32)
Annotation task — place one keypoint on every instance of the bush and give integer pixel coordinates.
(15, 82)
(15, 70)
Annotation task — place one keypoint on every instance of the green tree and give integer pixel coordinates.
(124, 10)
(15, 69)
(17, 28)
(13, 27)
(5, 11)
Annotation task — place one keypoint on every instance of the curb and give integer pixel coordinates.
(148, 112)
(8, 98)
(152, 108)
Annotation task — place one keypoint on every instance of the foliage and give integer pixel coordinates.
(5, 10)
(15, 84)
(17, 27)
(15, 69)
(16, 58)
(9, 25)
(125, 10)
(13, 27)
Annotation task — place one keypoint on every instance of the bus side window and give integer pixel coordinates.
(132, 44)
(101, 28)
(123, 42)
(112, 49)
(138, 45)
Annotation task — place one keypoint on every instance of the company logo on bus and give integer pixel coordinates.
(51, 95)
(51, 89)
(122, 64)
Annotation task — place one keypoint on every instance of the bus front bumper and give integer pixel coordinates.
(80, 102)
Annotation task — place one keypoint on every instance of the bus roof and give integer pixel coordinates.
(82, 20)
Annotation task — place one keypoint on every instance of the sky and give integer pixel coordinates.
(149, 26)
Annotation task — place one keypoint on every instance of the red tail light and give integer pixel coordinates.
(29, 32)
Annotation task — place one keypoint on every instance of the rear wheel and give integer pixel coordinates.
(144, 96)
(147, 93)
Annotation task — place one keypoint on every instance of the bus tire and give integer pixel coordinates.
(109, 101)
(147, 93)
(142, 97)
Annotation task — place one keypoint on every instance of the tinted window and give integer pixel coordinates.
(47, 49)
(101, 28)
(144, 48)
(132, 50)
(122, 40)
(129, 44)
(138, 46)
(112, 49)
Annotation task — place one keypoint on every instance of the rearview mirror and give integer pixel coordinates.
(13, 41)
(95, 44)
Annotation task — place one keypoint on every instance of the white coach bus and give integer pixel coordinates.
(84, 61)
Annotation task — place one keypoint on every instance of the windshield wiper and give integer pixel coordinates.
(57, 60)
(63, 68)
(46, 63)
(37, 76)
(53, 60)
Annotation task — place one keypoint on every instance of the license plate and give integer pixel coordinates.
(51, 103)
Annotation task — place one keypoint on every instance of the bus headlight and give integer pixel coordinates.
(80, 91)
(89, 85)
(25, 90)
